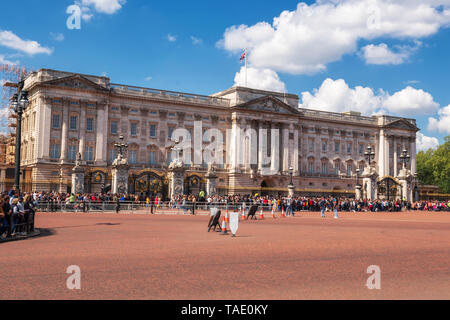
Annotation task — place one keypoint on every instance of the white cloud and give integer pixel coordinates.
(442, 124)
(410, 101)
(105, 6)
(423, 143)
(263, 79)
(148, 78)
(307, 39)
(3, 60)
(57, 36)
(196, 40)
(10, 40)
(171, 38)
(337, 96)
(381, 54)
(100, 6)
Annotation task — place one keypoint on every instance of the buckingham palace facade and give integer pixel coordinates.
(71, 114)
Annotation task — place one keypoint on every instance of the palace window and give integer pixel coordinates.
(56, 121)
(324, 167)
(311, 167)
(311, 145)
(88, 153)
(90, 124)
(361, 149)
(112, 155)
(349, 169)
(55, 151)
(170, 132)
(336, 147)
(114, 126)
(133, 156)
(133, 129)
(349, 147)
(72, 153)
(152, 157)
(324, 145)
(152, 131)
(73, 122)
(336, 168)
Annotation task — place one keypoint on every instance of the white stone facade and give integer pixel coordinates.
(71, 113)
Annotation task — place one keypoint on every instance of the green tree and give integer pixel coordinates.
(440, 163)
(433, 166)
(424, 167)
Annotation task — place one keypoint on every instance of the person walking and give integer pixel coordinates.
(334, 205)
(322, 204)
(117, 204)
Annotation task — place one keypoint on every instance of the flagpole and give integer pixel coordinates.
(246, 67)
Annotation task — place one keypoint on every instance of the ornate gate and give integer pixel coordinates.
(150, 184)
(388, 188)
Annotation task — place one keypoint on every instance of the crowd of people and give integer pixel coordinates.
(17, 210)
(16, 214)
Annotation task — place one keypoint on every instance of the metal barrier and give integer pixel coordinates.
(8, 227)
(178, 207)
(143, 207)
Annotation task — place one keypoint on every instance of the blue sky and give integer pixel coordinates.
(337, 55)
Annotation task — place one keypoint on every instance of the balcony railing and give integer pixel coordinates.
(170, 95)
(338, 116)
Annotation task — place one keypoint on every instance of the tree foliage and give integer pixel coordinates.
(433, 166)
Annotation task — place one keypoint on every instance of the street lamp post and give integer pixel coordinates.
(19, 102)
(369, 154)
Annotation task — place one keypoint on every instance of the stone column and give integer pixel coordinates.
(285, 147)
(412, 153)
(101, 134)
(295, 164)
(247, 147)
(119, 177)
(83, 105)
(262, 145)
(78, 179)
(275, 149)
(44, 127)
(176, 183)
(381, 154)
(395, 156)
(236, 144)
(386, 156)
(358, 192)
(211, 178)
(64, 129)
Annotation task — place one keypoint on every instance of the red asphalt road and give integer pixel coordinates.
(128, 256)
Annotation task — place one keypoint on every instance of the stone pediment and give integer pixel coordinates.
(402, 124)
(269, 104)
(75, 81)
